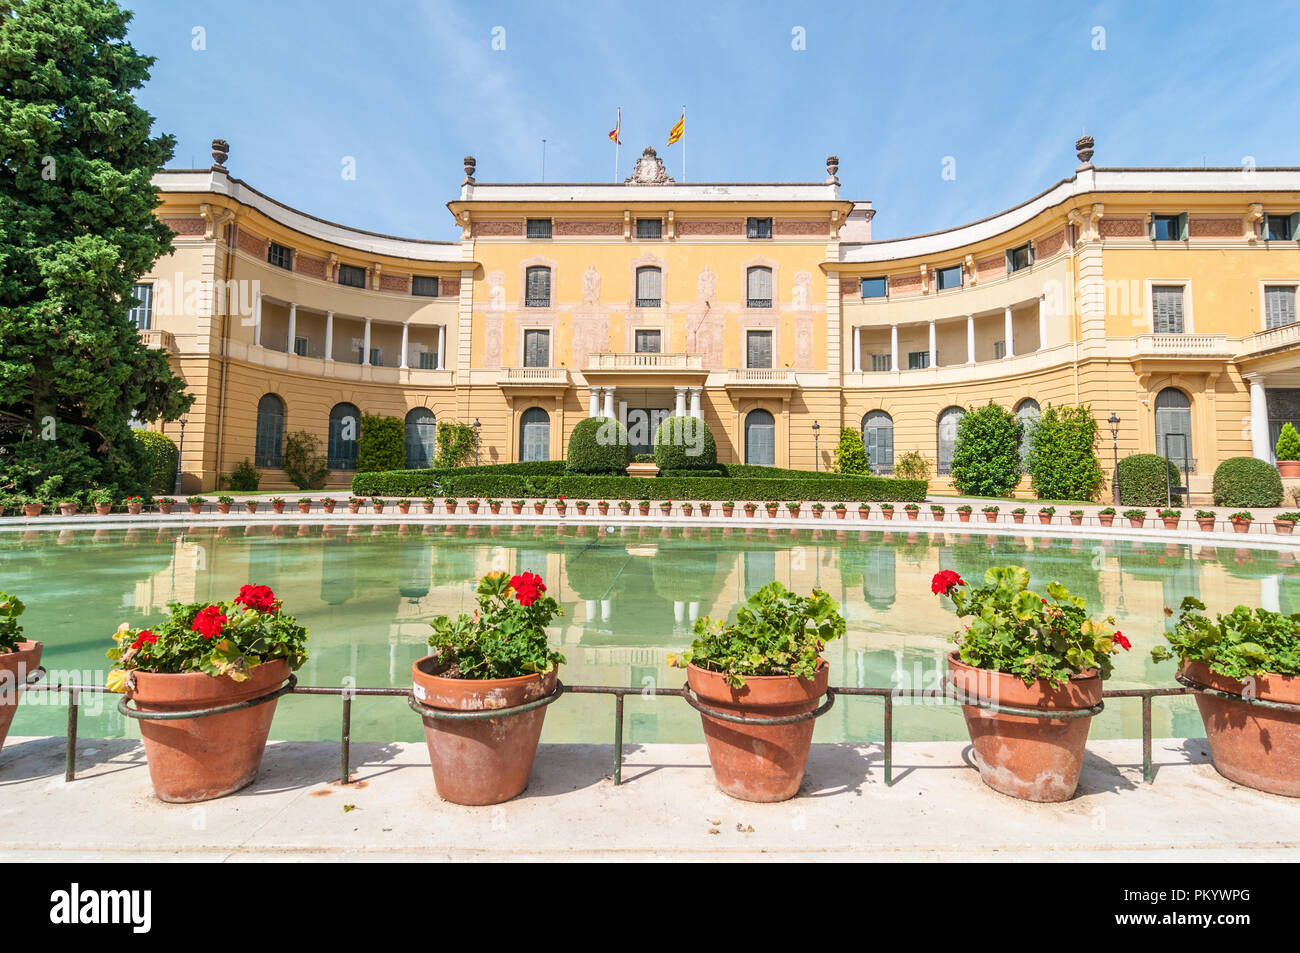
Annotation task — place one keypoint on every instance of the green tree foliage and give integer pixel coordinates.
(77, 230)
(456, 444)
(851, 454)
(303, 463)
(1145, 479)
(382, 445)
(245, 478)
(685, 443)
(913, 465)
(1247, 481)
(986, 456)
(160, 457)
(598, 445)
(1288, 443)
(1062, 458)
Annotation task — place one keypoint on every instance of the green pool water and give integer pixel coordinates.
(367, 593)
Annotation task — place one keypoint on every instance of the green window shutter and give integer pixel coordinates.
(1182, 227)
(1031, 253)
(1295, 225)
(1011, 260)
(1151, 226)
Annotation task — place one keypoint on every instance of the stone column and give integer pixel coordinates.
(406, 328)
(1042, 322)
(695, 403)
(593, 406)
(592, 609)
(609, 401)
(257, 320)
(857, 350)
(442, 346)
(1259, 442)
(329, 335)
(1009, 332)
(680, 409)
(934, 350)
(293, 326)
(970, 339)
(606, 610)
(365, 345)
(893, 347)
(679, 613)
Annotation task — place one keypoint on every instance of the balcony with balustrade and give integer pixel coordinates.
(645, 369)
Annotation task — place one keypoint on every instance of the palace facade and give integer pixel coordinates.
(1165, 297)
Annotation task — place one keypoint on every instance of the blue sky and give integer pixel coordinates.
(408, 87)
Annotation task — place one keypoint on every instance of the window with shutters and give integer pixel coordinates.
(537, 287)
(428, 360)
(352, 275)
(300, 345)
(423, 286)
(1174, 426)
(881, 362)
(1028, 413)
(758, 283)
(1281, 228)
(421, 438)
(946, 278)
(1022, 257)
(1167, 309)
(758, 227)
(538, 228)
(948, 421)
(1279, 305)
(760, 438)
(1169, 228)
(758, 349)
(999, 350)
(878, 438)
(918, 360)
(535, 435)
(142, 314)
(280, 255)
(648, 341)
(270, 432)
(345, 426)
(649, 287)
(537, 347)
(649, 228)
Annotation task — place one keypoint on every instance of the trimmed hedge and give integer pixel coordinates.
(685, 443)
(1247, 481)
(160, 459)
(1142, 480)
(599, 445)
(986, 455)
(715, 473)
(382, 444)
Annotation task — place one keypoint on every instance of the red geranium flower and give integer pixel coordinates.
(1122, 642)
(945, 581)
(527, 587)
(144, 638)
(209, 621)
(260, 598)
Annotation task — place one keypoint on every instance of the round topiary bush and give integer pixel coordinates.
(160, 459)
(685, 443)
(599, 445)
(1247, 481)
(1142, 480)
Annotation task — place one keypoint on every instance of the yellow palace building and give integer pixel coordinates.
(1166, 297)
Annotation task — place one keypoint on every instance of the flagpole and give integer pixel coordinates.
(683, 142)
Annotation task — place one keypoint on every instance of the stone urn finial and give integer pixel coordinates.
(470, 164)
(832, 170)
(1083, 148)
(220, 153)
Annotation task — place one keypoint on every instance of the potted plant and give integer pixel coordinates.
(165, 504)
(498, 658)
(1233, 663)
(793, 507)
(964, 511)
(224, 503)
(687, 509)
(818, 509)
(1045, 514)
(1018, 514)
(751, 509)
(1241, 521)
(428, 503)
(728, 507)
(134, 505)
(771, 506)
(32, 507)
(19, 660)
(886, 510)
(841, 511)
(1076, 517)
(1135, 518)
(624, 507)
(355, 503)
(494, 506)
(643, 507)
(1205, 519)
(705, 509)
(602, 507)
(277, 504)
(208, 656)
(665, 507)
(103, 500)
(328, 503)
(1106, 516)
(516, 506)
(767, 663)
(864, 510)
(990, 514)
(68, 507)
(1284, 523)
(1287, 451)
(196, 504)
(1169, 517)
(450, 503)
(936, 512)
(1021, 650)
(913, 511)
(539, 506)
(561, 506)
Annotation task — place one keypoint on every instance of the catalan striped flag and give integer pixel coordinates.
(678, 130)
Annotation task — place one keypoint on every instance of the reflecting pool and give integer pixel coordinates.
(630, 594)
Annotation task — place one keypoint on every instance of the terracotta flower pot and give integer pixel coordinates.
(32, 509)
(473, 506)
(794, 513)
(887, 514)
(1206, 523)
(1018, 517)
(706, 509)
(482, 761)
(404, 507)
(494, 508)
(377, 507)
(963, 515)
(1288, 469)
(1241, 526)
(354, 507)
(1136, 522)
(990, 517)
(1036, 759)
(103, 509)
(539, 508)
(1045, 518)
(561, 508)
(1283, 527)
(755, 762)
(304, 507)
(912, 514)
(1255, 746)
(277, 507)
(602, 508)
(197, 759)
(67, 509)
(1171, 522)
(329, 507)
(517, 508)
(451, 507)
(1106, 518)
(841, 514)
(165, 508)
(1076, 520)
(16, 667)
(817, 514)
(935, 515)
(195, 508)
(250, 506)
(644, 510)
(134, 509)
(728, 510)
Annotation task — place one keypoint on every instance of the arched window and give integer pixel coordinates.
(269, 449)
(1174, 426)
(758, 285)
(760, 438)
(1028, 413)
(649, 287)
(421, 438)
(345, 428)
(948, 421)
(535, 434)
(878, 438)
(537, 287)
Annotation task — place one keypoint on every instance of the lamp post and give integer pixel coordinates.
(1114, 437)
(477, 425)
(816, 429)
(180, 450)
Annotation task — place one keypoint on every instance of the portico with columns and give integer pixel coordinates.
(1011, 331)
(291, 328)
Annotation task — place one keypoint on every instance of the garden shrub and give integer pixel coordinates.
(160, 459)
(382, 444)
(1142, 480)
(244, 478)
(851, 454)
(456, 444)
(685, 443)
(1288, 443)
(1247, 481)
(986, 455)
(1062, 459)
(913, 465)
(599, 445)
(303, 462)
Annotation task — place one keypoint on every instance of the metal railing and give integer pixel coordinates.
(889, 696)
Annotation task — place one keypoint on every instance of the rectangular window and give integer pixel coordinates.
(649, 287)
(537, 287)
(280, 255)
(1167, 309)
(352, 276)
(1169, 228)
(918, 360)
(428, 360)
(1022, 257)
(758, 349)
(424, 287)
(649, 228)
(758, 227)
(945, 278)
(300, 346)
(648, 342)
(999, 350)
(875, 287)
(539, 228)
(376, 357)
(1280, 228)
(1279, 305)
(759, 293)
(537, 347)
(142, 314)
(881, 362)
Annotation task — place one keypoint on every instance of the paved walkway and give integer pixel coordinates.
(667, 808)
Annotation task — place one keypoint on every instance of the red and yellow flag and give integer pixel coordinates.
(613, 133)
(678, 130)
